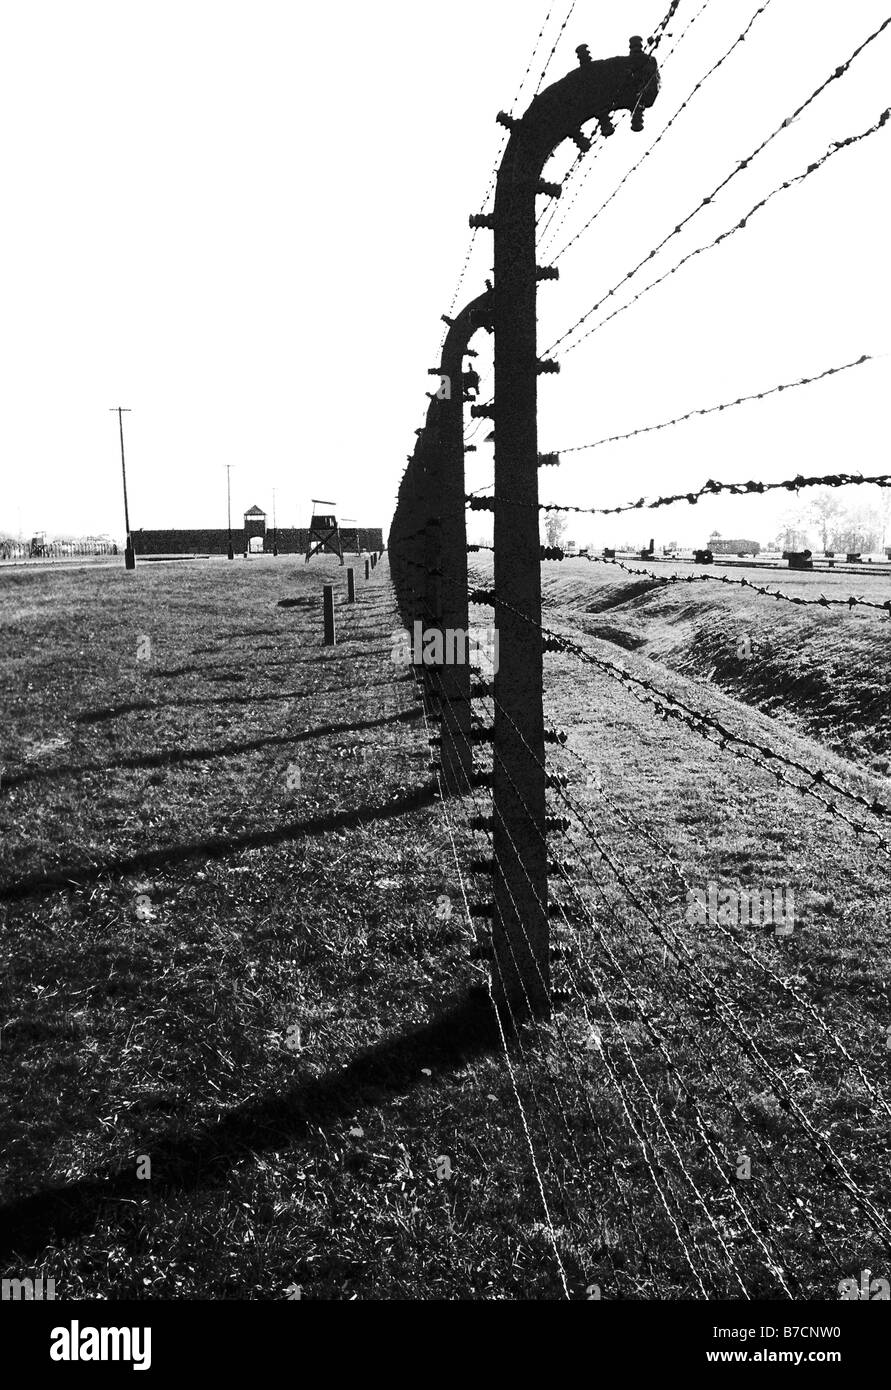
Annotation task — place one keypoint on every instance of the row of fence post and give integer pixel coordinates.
(328, 623)
(428, 538)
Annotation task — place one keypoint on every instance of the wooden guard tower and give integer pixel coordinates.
(324, 532)
(349, 536)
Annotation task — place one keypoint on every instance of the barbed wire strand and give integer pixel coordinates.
(704, 722)
(772, 1262)
(567, 208)
(561, 1038)
(555, 256)
(653, 1106)
(737, 227)
(494, 174)
(686, 1174)
(851, 602)
(583, 1089)
(815, 1136)
(802, 1005)
(838, 73)
(610, 1167)
(713, 410)
(552, 1236)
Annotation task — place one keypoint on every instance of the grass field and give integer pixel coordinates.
(271, 992)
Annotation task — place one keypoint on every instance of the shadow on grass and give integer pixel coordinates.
(170, 757)
(464, 1029)
(98, 716)
(215, 847)
(342, 650)
(172, 672)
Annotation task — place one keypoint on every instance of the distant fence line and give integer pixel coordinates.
(54, 550)
(289, 540)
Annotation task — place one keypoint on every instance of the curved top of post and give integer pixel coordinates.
(477, 313)
(426, 438)
(592, 91)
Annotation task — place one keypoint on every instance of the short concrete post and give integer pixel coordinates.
(328, 612)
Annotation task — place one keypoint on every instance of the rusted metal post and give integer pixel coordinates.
(351, 586)
(328, 613)
(367, 569)
(520, 924)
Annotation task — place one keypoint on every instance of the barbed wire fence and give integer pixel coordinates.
(612, 1018)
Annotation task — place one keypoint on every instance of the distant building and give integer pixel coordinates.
(254, 530)
(718, 546)
(255, 539)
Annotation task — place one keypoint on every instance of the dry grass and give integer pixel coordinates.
(174, 912)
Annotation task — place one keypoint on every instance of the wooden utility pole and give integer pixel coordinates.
(231, 552)
(129, 552)
(520, 923)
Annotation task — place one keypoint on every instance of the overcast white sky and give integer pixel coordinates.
(243, 220)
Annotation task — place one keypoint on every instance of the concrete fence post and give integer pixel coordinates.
(520, 923)
(328, 614)
(449, 488)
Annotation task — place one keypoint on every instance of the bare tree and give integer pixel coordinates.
(858, 530)
(885, 514)
(793, 532)
(824, 509)
(555, 527)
